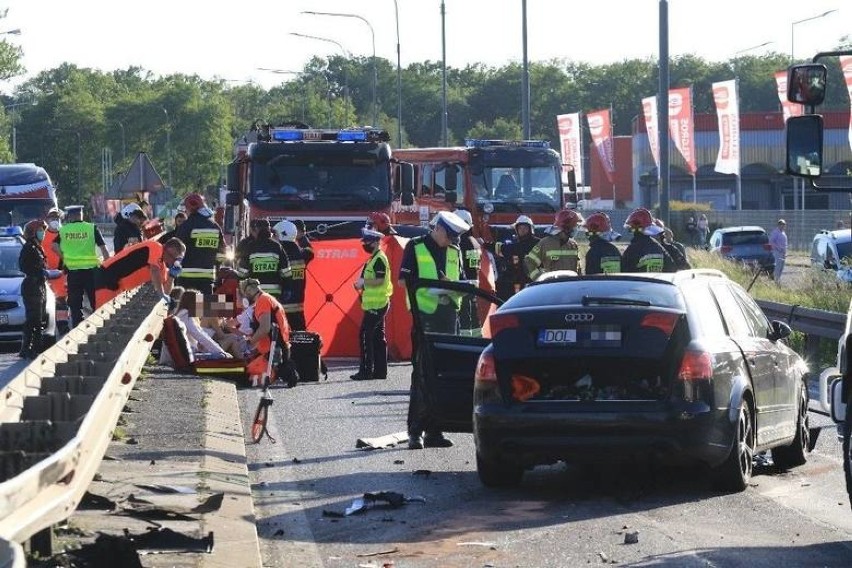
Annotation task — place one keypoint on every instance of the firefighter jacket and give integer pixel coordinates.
(603, 257)
(553, 252)
(514, 252)
(645, 254)
(293, 288)
(678, 254)
(125, 231)
(471, 252)
(376, 297)
(205, 247)
(265, 260)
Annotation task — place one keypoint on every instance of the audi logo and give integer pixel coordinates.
(576, 318)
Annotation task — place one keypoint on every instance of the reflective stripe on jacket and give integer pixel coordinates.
(552, 253)
(376, 297)
(427, 301)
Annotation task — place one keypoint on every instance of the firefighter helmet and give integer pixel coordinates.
(132, 209)
(285, 230)
(639, 220)
(598, 223)
(193, 202)
(33, 227)
(379, 221)
(523, 220)
(567, 220)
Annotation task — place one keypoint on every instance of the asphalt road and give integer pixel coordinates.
(560, 516)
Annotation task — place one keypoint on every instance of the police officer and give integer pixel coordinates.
(293, 288)
(558, 250)
(644, 253)
(603, 256)
(128, 227)
(675, 249)
(264, 259)
(512, 253)
(32, 263)
(77, 244)
(432, 256)
(205, 245)
(376, 288)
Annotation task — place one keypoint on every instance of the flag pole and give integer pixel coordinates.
(612, 142)
(694, 168)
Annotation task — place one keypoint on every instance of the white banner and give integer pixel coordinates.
(681, 128)
(846, 66)
(571, 145)
(649, 109)
(728, 113)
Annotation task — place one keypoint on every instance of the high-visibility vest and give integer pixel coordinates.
(427, 302)
(77, 243)
(377, 296)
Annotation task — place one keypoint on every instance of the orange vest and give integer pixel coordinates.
(130, 268)
(58, 285)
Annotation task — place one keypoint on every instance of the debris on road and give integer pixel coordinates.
(387, 441)
(631, 537)
(157, 540)
(378, 553)
(491, 545)
(383, 500)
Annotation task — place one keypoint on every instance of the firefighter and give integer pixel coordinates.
(265, 310)
(471, 252)
(128, 227)
(558, 250)
(245, 242)
(265, 260)
(180, 217)
(644, 254)
(376, 288)
(32, 263)
(77, 244)
(603, 256)
(432, 256)
(380, 222)
(511, 254)
(293, 288)
(303, 241)
(205, 245)
(675, 249)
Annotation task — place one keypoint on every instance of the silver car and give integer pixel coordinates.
(12, 312)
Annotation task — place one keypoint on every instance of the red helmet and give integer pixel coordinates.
(379, 221)
(193, 202)
(31, 228)
(568, 219)
(639, 219)
(598, 223)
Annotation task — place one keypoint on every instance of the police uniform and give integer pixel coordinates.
(603, 257)
(645, 254)
(32, 263)
(205, 251)
(553, 252)
(78, 242)
(375, 299)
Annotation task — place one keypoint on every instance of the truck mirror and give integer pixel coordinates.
(806, 84)
(229, 225)
(804, 146)
(233, 198)
(406, 198)
(451, 173)
(570, 177)
(450, 196)
(406, 179)
(234, 177)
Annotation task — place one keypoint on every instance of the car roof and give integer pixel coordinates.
(11, 241)
(742, 229)
(839, 235)
(667, 277)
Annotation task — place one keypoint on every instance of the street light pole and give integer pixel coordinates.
(525, 83)
(347, 56)
(444, 116)
(398, 81)
(752, 48)
(79, 164)
(168, 147)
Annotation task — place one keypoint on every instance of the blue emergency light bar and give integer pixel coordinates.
(477, 143)
(317, 135)
(14, 231)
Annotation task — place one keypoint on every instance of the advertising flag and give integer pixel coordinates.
(600, 127)
(681, 127)
(569, 141)
(846, 65)
(789, 109)
(728, 113)
(649, 109)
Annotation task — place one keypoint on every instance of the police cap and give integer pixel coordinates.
(452, 223)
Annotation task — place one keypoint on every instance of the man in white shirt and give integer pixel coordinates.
(778, 242)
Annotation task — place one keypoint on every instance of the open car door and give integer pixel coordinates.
(451, 331)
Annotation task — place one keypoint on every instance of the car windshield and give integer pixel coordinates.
(745, 238)
(9, 253)
(519, 189)
(599, 292)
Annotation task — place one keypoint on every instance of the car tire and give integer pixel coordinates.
(735, 472)
(796, 453)
(847, 448)
(498, 473)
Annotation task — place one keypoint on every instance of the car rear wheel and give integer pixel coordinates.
(498, 473)
(735, 473)
(796, 453)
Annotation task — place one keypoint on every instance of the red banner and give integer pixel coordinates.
(846, 66)
(789, 109)
(600, 127)
(570, 142)
(681, 125)
(649, 109)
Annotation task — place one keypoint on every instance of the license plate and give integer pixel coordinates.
(556, 337)
(4, 319)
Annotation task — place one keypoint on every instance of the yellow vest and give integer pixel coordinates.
(427, 302)
(377, 297)
(77, 243)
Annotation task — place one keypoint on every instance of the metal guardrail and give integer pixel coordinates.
(57, 416)
(819, 323)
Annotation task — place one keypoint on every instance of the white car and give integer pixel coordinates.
(12, 312)
(832, 250)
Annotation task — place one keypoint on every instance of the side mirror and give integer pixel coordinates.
(451, 173)
(451, 196)
(234, 177)
(233, 198)
(406, 178)
(406, 198)
(806, 84)
(780, 330)
(804, 145)
(229, 225)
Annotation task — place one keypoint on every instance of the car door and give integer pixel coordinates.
(448, 343)
(760, 357)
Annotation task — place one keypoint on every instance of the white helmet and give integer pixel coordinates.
(523, 220)
(130, 209)
(465, 216)
(285, 230)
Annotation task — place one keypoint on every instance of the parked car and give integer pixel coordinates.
(684, 367)
(12, 312)
(747, 244)
(830, 248)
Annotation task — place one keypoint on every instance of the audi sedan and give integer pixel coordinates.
(683, 367)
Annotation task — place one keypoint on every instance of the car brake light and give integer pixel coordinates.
(486, 371)
(524, 388)
(663, 322)
(499, 322)
(726, 249)
(767, 246)
(696, 365)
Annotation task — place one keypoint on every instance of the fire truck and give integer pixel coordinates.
(496, 180)
(330, 179)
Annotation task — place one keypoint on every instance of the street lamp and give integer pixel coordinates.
(347, 55)
(168, 147)
(373, 34)
(525, 83)
(11, 32)
(444, 125)
(398, 80)
(764, 44)
(793, 31)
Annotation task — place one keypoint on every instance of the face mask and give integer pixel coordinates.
(55, 225)
(246, 303)
(368, 248)
(40, 235)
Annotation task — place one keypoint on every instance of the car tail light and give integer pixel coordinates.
(499, 322)
(726, 249)
(767, 246)
(486, 371)
(695, 366)
(663, 322)
(524, 388)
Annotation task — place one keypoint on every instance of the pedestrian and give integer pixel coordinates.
(692, 231)
(149, 261)
(778, 242)
(264, 259)
(293, 287)
(179, 218)
(703, 230)
(644, 253)
(603, 256)
(77, 244)
(558, 250)
(674, 249)
(32, 263)
(266, 310)
(128, 227)
(432, 256)
(376, 288)
(205, 245)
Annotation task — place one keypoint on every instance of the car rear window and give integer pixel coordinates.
(844, 250)
(574, 292)
(745, 238)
